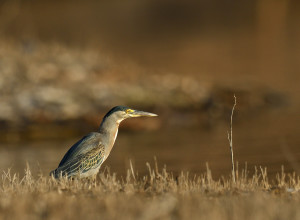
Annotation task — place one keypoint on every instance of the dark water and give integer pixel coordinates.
(270, 141)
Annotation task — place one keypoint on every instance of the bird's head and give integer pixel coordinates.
(121, 112)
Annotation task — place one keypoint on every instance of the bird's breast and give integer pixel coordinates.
(111, 142)
(115, 137)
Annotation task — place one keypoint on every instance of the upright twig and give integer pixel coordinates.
(131, 168)
(230, 141)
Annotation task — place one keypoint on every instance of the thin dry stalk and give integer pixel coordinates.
(167, 197)
(230, 141)
(131, 168)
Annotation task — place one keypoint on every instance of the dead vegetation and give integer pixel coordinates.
(158, 195)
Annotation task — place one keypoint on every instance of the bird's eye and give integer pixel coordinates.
(129, 111)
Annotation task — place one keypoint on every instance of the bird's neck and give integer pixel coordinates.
(109, 129)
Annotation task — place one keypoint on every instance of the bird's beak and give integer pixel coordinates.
(136, 113)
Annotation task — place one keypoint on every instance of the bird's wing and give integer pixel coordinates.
(81, 147)
(81, 163)
(93, 159)
(87, 153)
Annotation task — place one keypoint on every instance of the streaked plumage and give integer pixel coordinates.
(85, 157)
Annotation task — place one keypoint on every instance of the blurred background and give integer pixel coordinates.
(64, 64)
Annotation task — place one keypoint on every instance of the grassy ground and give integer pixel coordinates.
(158, 195)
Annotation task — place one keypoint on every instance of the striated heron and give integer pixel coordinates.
(85, 157)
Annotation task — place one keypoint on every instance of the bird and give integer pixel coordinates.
(86, 156)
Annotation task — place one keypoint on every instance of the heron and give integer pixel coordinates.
(86, 156)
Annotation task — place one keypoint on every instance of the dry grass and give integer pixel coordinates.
(158, 195)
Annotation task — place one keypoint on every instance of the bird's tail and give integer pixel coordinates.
(54, 173)
(59, 173)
